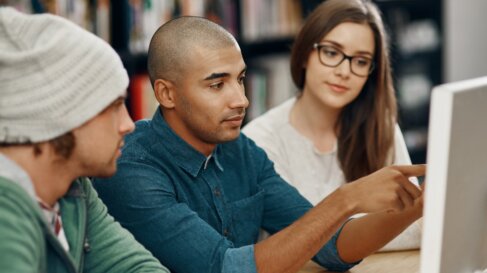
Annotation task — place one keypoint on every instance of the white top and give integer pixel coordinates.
(313, 173)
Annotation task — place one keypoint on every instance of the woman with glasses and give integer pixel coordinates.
(342, 125)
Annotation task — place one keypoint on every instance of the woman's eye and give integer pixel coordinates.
(363, 62)
(329, 52)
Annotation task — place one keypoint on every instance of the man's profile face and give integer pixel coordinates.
(211, 100)
(99, 141)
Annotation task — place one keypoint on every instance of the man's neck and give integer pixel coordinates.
(50, 177)
(183, 132)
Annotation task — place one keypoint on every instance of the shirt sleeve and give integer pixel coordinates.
(144, 200)
(111, 248)
(239, 260)
(329, 258)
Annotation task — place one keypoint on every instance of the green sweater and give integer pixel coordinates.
(97, 243)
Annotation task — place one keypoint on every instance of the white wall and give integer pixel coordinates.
(465, 43)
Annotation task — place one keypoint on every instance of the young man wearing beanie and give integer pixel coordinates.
(62, 117)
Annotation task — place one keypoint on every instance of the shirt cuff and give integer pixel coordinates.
(239, 260)
(329, 258)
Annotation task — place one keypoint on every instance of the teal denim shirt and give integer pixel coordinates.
(197, 214)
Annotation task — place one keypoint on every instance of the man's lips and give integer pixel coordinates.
(235, 118)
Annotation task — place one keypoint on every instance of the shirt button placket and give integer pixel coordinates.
(226, 233)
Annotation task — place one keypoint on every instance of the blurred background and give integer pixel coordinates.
(432, 42)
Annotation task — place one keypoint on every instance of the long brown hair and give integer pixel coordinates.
(365, 127)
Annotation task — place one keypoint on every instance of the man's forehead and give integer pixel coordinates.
(226, 61)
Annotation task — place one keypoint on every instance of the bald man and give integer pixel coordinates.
(196, 192)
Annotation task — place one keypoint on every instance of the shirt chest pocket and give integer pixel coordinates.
(247, 218)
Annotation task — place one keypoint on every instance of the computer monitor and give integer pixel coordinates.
(455, 209)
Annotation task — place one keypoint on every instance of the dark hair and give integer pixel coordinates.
(365, 127)
(62, 145)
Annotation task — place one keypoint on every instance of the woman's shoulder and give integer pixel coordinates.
(271, 121)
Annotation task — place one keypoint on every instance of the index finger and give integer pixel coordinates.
(412, 170)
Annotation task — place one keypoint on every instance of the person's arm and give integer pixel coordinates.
(111, 247)
(385, 190)
(374, 230)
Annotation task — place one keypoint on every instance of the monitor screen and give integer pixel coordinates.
(455, 208)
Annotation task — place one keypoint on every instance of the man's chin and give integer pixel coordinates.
(231, 135)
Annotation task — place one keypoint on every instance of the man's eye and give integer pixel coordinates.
(241, 79)
(217, 85)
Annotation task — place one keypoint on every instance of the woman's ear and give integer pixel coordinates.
(165, 93)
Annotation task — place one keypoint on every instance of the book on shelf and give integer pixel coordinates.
(270, 19)
(256, 91)
(143, 102)
(268, 84)
(93, 16)
(147, 16)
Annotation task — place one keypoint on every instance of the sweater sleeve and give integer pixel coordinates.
(111, 247)
(21, 242)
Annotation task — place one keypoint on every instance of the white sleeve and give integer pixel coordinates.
(401, 154)
(410, 238)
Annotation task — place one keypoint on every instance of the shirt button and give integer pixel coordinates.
(217, 192)
(226, 232)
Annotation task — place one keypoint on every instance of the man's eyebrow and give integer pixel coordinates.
(216, 76)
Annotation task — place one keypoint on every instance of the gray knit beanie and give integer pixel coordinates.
(54, 76)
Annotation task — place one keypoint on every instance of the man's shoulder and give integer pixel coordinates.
(13, 190)
(16, 202)
(140, 142)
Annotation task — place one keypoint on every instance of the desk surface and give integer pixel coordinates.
(389, 262)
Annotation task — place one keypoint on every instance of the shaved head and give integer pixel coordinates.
(171, 46)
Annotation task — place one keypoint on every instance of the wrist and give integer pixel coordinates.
(343, 197)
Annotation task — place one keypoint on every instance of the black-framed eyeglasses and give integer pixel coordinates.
(332, 57)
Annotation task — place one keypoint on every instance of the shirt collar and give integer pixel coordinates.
(188, 158)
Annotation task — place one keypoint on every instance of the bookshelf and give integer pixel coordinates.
(135, 21)
(416, 36)
(265, 31)
(93, 15)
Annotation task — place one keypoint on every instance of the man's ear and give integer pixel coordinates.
(164, 91)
